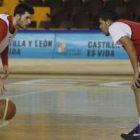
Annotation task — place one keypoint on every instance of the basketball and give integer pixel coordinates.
(7, 109)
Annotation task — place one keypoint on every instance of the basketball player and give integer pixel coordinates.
(126, 33)
(9, 26)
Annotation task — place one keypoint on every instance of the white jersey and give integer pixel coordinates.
(7, 40)
(118, 30)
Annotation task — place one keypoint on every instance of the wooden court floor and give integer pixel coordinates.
(69, 108)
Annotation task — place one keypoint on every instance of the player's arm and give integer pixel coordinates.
(4, 54)
(3, 32)
(131, 51)
(4, 58)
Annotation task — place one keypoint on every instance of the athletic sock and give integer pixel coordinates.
(139, 120)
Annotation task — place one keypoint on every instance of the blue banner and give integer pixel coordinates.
(87, 46)
(65, 45)
(32, 45)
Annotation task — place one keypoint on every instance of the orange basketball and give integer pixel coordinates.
(7, 109)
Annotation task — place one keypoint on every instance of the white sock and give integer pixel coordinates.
(139, 120)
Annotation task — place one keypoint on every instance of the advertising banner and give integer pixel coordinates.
(37, 45)
(64, 45)
(87, 46)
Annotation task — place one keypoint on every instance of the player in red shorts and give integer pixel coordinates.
(126, 33)
(9, 26)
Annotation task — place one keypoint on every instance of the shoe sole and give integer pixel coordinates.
(129, 137)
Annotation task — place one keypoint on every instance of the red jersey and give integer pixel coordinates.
(135, 27)
(3, 33)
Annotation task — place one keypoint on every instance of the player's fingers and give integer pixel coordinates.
(4, 77)
(133, 85)
(137, 83)
(4, 88)
(138, 79)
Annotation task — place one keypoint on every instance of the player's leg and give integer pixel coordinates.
(135, 130)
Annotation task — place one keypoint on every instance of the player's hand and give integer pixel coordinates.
(2, 88)
(6, 71)
(135, 81)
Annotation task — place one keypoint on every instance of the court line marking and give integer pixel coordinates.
(116, 84)
(72, 82)
(31, 93)
(52, 82)
(55, 89)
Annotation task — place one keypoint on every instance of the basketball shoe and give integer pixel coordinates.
(132, 135)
